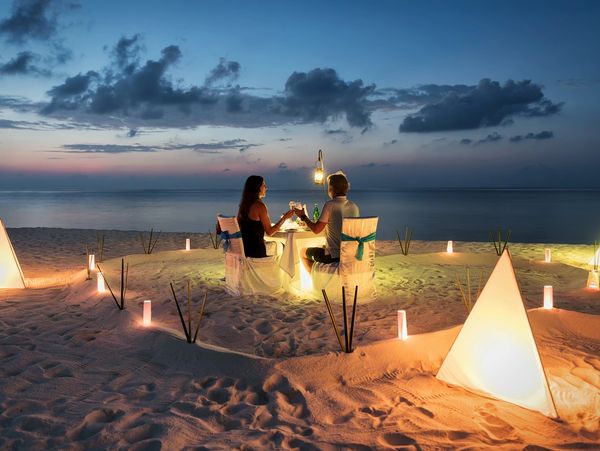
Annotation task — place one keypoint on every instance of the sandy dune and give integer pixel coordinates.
(76, 372)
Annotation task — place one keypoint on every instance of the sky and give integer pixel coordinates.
(398, 94)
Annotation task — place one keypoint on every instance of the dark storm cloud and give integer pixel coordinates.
(30, 19)
(487, 104)
(321, 94)
(130, 93)
(25, 63)
(206, 148)
(546, 134)
(227, 71)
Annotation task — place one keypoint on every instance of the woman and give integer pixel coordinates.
(253, 217)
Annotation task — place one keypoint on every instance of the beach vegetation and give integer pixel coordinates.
(405, 244)
(187, 328)
(500, 240)
(123, 287)
(216, 242)
(149, 246)
(466, 292)
(346, 344)
(100, 246)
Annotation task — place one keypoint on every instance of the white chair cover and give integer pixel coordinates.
(350, 271)
(246, 275)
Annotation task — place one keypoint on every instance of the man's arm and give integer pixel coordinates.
(315, 227)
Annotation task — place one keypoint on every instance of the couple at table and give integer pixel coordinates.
(254, 221)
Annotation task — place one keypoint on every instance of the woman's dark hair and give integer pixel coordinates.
(250, 194)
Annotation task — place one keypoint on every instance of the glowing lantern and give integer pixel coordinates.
(548, 297)
(100, 280)
(547, 255)
(11, 275)
(495, 353)
(402, 330)
(449, 247)
(147, 320)
(319, 175)
(187, 244)
(592, 281)
(91, 262)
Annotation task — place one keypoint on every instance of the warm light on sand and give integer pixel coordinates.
(548, 297)
(187, 244)
(306, 283)
(402, 329)
(100, 280)
(592, 281)
(450, 247)
(547, 255)
(91, 262)
(147, 319)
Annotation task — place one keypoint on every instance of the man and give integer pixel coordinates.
(333, 212)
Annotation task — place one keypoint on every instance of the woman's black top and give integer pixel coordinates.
(253, 237)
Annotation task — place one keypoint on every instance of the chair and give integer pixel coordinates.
(356, 266)
(247, 275)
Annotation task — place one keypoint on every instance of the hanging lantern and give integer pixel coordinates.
(319, 176)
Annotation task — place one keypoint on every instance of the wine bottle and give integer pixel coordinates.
(315, 213)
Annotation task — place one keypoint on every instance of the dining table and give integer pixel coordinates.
(294, 240)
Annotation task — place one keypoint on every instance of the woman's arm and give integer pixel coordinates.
(263, 214)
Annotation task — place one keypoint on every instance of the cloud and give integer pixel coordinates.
(491, 138)
(30, 19)
(546, 134)
(372, 164)
(487, 104)
(321, 94)
(282, 166)
(227, 71)
(390, 143)
(132, 132)
(23, 64)
(206, 148)
(128, 92)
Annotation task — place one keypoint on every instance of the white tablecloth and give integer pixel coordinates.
(294, 242)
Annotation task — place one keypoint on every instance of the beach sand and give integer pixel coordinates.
(266, 372)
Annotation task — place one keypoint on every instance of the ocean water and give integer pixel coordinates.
(567, 216)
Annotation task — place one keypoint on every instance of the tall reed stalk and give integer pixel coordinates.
(187, 329)
(123, 287)
(405, 244)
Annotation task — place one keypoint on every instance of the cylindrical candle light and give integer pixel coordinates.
(92, 262)
(101, 286)
(402, 331)
(449, 247)
(547, 255)
(592, 281)
(548, 297)
(187, 244)
(147, 313)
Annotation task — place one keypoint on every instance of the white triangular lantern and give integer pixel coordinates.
(495, 353)
(11, 275)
